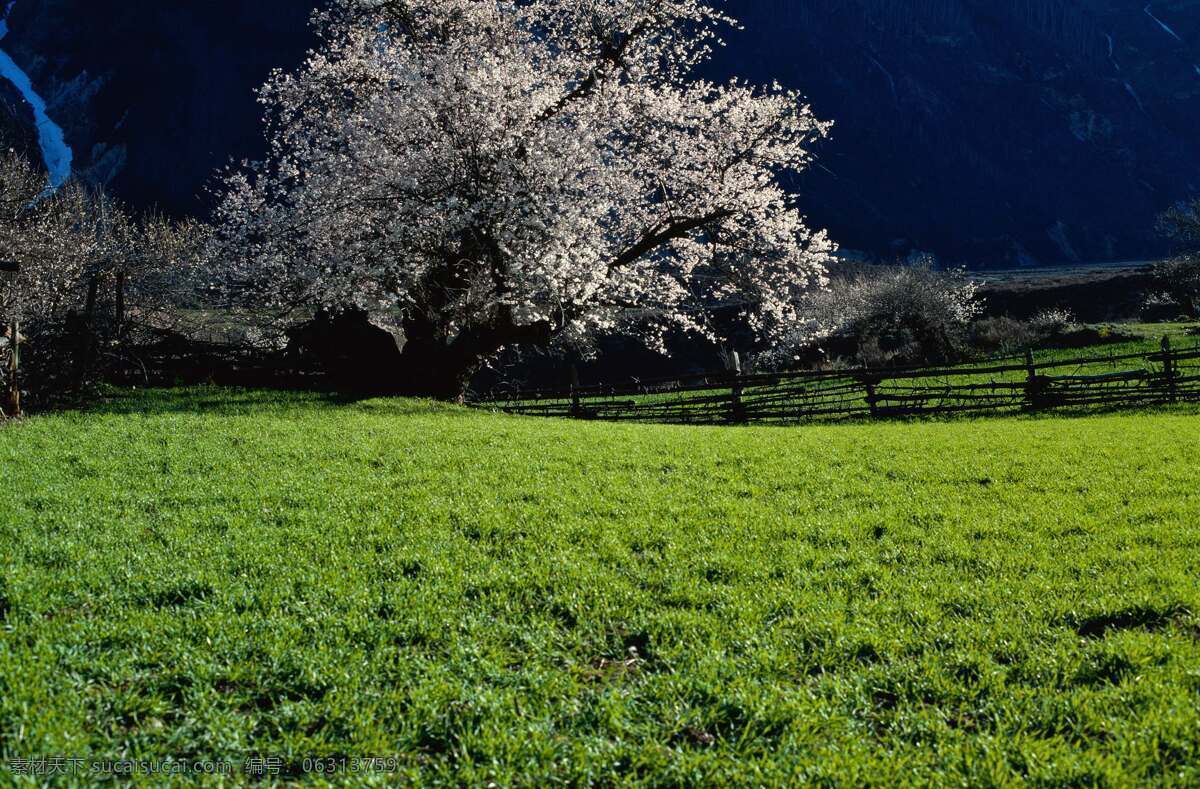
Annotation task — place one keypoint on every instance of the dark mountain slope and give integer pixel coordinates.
(155, 96)
(989, 132)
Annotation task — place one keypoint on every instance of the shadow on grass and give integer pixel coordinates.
(209, 400)
(1139, 617)
(865, 421)
(220, 401)
(227, 401)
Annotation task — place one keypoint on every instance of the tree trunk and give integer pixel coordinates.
(364, 359)
(435, 370)
(430, 367)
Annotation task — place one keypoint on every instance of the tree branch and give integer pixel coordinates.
(609, 56)
(652, 240)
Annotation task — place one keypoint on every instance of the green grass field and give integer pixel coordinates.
(488, 598)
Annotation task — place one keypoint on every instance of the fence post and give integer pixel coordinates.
(1169, 370)
(872, 396)
(576, 410)
(737, 411)
(120, 311)
(13, 405)
(84, 351)
(1033, 398)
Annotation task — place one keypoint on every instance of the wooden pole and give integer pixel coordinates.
(1169, 370)
(120, 302)
(872, 396)
(83, 352)
(576, 409)
(13, 405)
(737, 410)
(89, 309)
(1032, 398)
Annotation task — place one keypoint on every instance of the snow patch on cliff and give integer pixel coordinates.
(1161, 23)
(1111, 49)
(1136, 98)
(55, 152)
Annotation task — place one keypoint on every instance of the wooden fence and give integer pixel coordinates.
(1010, 385)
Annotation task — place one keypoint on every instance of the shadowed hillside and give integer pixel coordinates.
(1014, 133)
(1023, 131)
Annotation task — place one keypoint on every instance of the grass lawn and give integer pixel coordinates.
(223, 574)
(1148, 336)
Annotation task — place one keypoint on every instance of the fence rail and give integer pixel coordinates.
(1000, 385)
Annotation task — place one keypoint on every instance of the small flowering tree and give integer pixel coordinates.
(498, 173)
(1178, 277)
(888, 314)
(43, 233)
(66, 241)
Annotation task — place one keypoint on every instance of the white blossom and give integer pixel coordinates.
(500, 172)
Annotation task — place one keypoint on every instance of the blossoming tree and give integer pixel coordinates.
(54, 236)
(504, 172)
(76, 256)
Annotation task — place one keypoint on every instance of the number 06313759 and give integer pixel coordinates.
(343, 764)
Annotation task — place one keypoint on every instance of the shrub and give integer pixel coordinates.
(889, 315)
(1053, 323)
(1178, 280)
(1003, 335)
(1055, 328)
(1180, 224)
